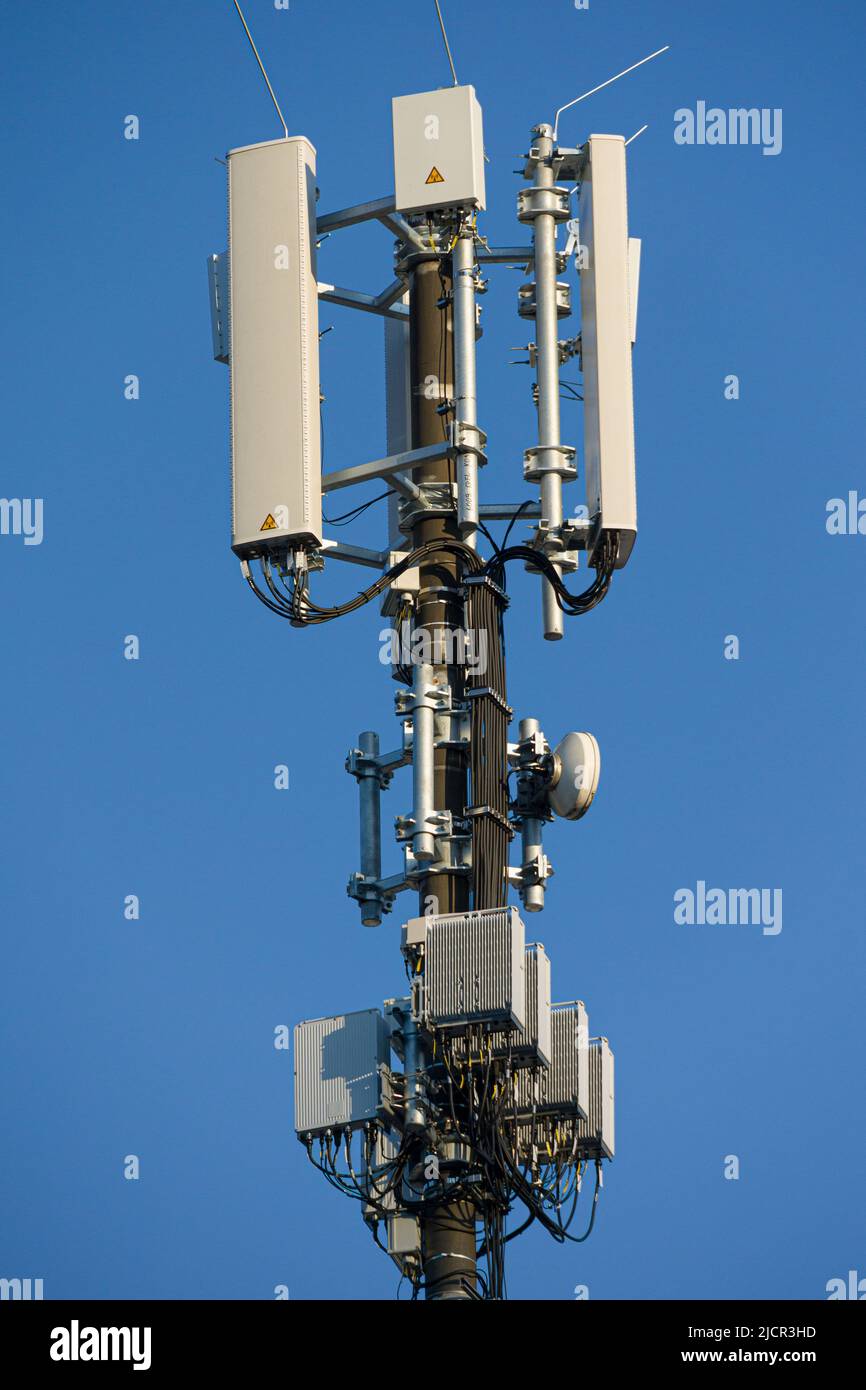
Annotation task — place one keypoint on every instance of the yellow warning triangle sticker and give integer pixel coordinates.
(268, 524)
(434, 176)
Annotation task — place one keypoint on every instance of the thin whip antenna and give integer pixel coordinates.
(445, 41)
(637, 133)
(624, 73)
(262, 67)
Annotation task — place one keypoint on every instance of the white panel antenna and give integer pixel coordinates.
(274, 348)
(608, 290)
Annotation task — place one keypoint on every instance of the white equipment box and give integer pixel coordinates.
(273, 311)
(438, 150)
(341, 1071)
(608, 306)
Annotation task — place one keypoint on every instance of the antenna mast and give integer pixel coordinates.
(469, 1096)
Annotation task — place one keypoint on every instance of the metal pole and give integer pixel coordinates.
(547, 372)
(448, 1253)
(465, 390)
(416, 1115)
(531, 836)
(369, 790)
(447, 1233)
(423, 802)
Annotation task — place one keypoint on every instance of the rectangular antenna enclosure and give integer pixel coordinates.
(595, 1133)
(532, 1046)
(474, 971)
(274, 348)
(438, 150)
(563, 1088)
(342, 1074)
(608, 282)
(403, 1233)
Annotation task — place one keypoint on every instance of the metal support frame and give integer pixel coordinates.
(354, 554)
(383, 304)
(373, 772)
(432, 839)
(516, 256)
(531, 758)
(549, 463)
(423, 804)
(508, 511)
(576, 533)
(376, 210)
(385, 468)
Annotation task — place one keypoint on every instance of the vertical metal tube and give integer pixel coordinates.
(465, 390)
(369, 789)
(415, 1118)
(547, 367)
(527, 727)
(531, 834)
(423, 718)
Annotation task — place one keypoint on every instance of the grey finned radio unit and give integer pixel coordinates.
(273, 349)
(595, 1134)
(474, 970)
(532, 1046)
(564, 1086)
(342, 1076)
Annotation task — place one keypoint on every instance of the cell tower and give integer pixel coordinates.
(470, 1097)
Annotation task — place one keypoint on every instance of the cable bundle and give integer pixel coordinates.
(294, 602)
(483, 1109)
(513, 1156)
(571, 604)
(488, 760)
(377, 1185)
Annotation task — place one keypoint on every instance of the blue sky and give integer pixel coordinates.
(155, 777)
